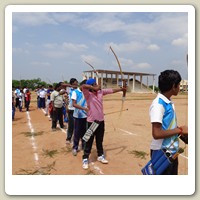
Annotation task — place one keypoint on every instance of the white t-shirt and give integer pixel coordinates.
(57, 99)
(162, 111)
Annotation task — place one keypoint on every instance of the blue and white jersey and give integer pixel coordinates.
(70, 91)
(162, 111)
(17, 93)
(80, 100)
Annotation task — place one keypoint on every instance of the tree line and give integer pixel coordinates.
(31, 83)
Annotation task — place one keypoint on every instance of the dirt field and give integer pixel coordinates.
(38, 150)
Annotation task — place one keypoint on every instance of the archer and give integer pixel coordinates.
(94, 98)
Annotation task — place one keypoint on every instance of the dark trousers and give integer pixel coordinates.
(172, 169)
(38, 102)
(57, 115)
(42, 103)
(17, 102)
(70, 129)
(79, 131)
(24, 102)
(13, 111)
(27, 105)
(98, 135)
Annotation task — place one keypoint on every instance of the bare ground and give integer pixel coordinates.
(38, 150)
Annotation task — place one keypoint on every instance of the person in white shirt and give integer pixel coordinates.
(42, 96)
(57, 103)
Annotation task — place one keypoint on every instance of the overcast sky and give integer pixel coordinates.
(54, 45)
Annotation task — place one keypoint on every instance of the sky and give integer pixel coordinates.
(54, 46)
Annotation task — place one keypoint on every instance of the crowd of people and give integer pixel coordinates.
(85, 106)
(20, 98)
(81, 105)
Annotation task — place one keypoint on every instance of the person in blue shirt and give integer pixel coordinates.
(80, 117)
(165, 130)
(70, 110)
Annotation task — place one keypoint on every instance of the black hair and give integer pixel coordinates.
(60, 83)
(72, 80)
(56, 86)
(83, 82)
(167, 79)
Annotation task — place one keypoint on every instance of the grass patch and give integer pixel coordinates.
(90, 172)
(66, 150)
(139, 154)
(29, 134)
(49, 153)
(41, 171)
(52, 153)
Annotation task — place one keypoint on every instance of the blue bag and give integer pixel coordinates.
(161, 159)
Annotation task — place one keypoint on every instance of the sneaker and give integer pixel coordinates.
(85, 163)
(74, 152)
(102, 159)
(68, 142)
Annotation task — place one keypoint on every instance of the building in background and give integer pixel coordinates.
(184, 85)
(136, 82)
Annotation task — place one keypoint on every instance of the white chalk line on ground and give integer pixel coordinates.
(129, 133)
(63, 130)
(96, 168)
(33, 143)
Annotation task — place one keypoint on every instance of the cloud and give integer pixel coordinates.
(163, 26)
(93, 60)
(132, 36)
(143, 65)
(105, 24)
(153, 47)
(182, 41)
(55, 50)
(50, 45)
(74, 47)
(65, 17)
(125, 47)
(125, 63)
(33, 19)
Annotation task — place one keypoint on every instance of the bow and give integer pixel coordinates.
(95, 71)
(123, 80)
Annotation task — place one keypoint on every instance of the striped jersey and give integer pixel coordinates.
(80, 100)
(162, 111)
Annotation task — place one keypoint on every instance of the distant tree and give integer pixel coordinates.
(156, 89)
(15, 83)
(31, 83)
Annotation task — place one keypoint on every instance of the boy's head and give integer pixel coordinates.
(168, 79)
(82, 83)
(57, 87)
(73, 82)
